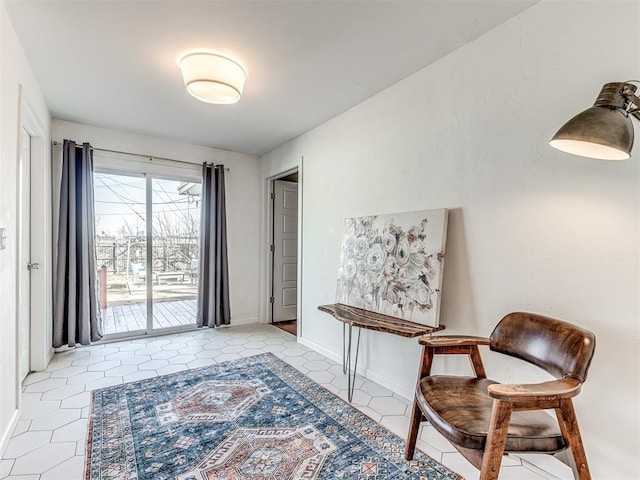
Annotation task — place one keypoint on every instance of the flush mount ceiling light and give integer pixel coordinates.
(211, 77)
(605, 130)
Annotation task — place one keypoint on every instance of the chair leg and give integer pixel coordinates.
(416, 415)
(474, 457)
(571, 433)
(416, 418)
(496, 439)
(476, 362)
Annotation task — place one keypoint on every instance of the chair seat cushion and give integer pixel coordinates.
(460, 409)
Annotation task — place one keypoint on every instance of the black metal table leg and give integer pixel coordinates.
(346, 359)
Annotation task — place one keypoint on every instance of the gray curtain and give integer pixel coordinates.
(76, 317)
(213, 289)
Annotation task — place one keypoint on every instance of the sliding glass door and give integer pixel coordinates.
(121, 252)
(175, 227)
(147, 245)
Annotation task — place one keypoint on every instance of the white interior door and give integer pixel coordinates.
(285, 251)
(24, 256)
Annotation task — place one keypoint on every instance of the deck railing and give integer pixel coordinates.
(170, 253)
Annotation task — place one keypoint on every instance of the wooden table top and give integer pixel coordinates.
(377, 321)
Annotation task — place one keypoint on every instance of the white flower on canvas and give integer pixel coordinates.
(391, 268)
(387, 266)
(419, 292)
(388, 242)
(403, 252)
(349, 268)
(414, 266)
(348, 244)
(361, 246)
(375, 258)
(391, 292)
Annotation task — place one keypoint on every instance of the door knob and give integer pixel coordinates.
(33, 266)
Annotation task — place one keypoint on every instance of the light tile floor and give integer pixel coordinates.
(49, 441)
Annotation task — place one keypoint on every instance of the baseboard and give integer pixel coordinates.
(244, 321)
(48, 356)
(324, 351)
(365, 372)
(386, 382)
(6, 435)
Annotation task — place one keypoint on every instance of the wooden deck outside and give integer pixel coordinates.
(131, 317)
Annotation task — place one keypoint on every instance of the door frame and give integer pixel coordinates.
(148, 175)
(23, 250)
(41, 286)
(267, 311)
(273, 294)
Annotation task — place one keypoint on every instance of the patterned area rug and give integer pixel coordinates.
(256, 418)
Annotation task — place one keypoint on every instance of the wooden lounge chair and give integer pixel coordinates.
(484, 419)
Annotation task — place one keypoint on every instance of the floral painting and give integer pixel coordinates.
(392, 264)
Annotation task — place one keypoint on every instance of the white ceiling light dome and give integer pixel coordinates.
(212, 77)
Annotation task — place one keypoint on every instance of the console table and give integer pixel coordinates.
(359, 318)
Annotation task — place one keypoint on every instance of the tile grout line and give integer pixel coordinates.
(191, 350)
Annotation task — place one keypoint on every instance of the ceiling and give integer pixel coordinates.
(113, 63)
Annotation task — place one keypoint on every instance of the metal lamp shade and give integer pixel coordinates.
(212, 78)
(603, 131)
(598, 132)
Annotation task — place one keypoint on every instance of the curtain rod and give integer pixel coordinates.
(55, 143)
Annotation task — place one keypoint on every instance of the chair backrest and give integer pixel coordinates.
(560, 348)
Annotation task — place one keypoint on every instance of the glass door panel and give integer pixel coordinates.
(121, 252)
(175, 228)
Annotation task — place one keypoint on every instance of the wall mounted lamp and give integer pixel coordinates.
(211, 77)
(605, 130)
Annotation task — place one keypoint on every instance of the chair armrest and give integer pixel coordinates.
(452, 341)
(523, 392)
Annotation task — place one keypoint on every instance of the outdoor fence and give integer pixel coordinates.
(169, 253)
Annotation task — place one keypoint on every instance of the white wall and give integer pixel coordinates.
(17, 85)
(530, 228)
(242, 199)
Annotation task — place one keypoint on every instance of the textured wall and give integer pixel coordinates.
(14, 74)
(530, 228)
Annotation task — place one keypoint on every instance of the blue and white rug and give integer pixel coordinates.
(251, 419)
